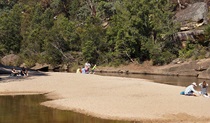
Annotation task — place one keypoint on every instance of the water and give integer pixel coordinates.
(183, 81)
(27, 109)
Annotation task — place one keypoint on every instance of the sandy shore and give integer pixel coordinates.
(114, 97)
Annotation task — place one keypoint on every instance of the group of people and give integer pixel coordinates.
(22, 72)
(190, 91)
(87, 69)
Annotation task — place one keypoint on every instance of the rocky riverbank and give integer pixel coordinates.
(192, 68)
(198, 68)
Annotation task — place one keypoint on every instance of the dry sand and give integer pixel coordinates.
(114, 97)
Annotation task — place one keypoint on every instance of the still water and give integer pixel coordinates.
(183, 81)
(27, 109)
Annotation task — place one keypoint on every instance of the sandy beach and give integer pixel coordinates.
(114, 97)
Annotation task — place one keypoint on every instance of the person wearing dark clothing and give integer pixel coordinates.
(24, 72)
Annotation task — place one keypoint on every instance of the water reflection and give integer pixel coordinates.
(27, 109)
(171, 80)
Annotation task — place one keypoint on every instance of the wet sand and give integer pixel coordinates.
(114, 97)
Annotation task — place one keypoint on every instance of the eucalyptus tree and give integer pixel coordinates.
(10, 27)
(6, 5)
(92, 37)
(139, 26)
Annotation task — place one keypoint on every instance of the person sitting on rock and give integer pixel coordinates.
(24, 72)
(14, 72)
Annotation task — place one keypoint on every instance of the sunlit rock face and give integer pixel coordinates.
(191, 18)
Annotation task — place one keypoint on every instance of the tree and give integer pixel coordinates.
(6, 5)
(92, 38)
(103, 31)
(106, 9)
(62, 37)
(10, 38)
(136, 26)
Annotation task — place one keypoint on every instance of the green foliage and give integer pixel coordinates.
(161, 58)
(7, 5)
(187, 51)
(207, 35)
(193, 51)
(120, 31)
(106, 9)
(92, 39)
(135, 25)
(10, 38)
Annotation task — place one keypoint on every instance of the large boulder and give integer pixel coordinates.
(41, 67)
(193, 16)
(182, 4)
(10, 60)
(205, 74)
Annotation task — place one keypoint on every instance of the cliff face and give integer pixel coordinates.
(192, 15)
(181, 4)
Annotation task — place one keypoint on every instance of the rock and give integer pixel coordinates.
(207, 55)
(191, 25)
(105, 24)
(41, 67)
(193, 16)
(10, 60)
(177, 61)
(23, 65)
(64, 67)
(203, 64)
(191, 35)
(200, 68)
(182, 4)
(188, 73)
(192, 68)
(205, 74)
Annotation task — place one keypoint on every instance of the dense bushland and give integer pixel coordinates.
(109, 32)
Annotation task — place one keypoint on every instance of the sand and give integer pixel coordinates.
(114, 97)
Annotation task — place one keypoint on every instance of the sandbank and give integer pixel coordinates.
(114, 98)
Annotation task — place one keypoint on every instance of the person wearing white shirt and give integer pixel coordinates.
(204, 87)
(190, 91)
(87, 68)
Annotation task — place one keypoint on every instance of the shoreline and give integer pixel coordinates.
(114, 98)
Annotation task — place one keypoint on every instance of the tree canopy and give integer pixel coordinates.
(97, 31)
